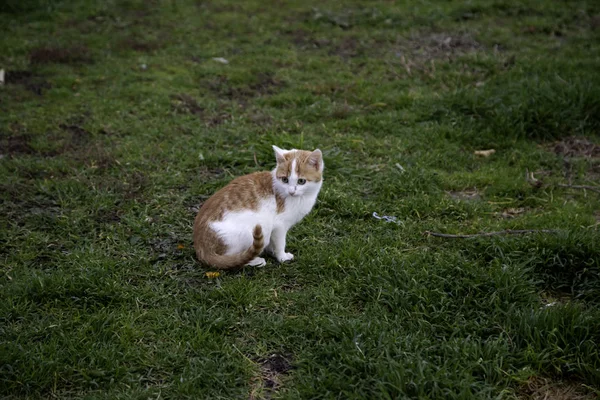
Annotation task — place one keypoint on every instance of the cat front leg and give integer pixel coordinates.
(277, 245)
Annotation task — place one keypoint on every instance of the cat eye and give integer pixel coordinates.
(301, 181)
(284, 180)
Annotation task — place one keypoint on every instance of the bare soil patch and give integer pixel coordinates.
(32, 82)
(140, 45)
(265, 84)
(422, 48)
(16, 145)
(305, 40)
(260, 119)
(186, 104)
(595, 22)
(79, 135)
(110, 216)
(60, 55)
(348, 47)
(574, 146)
(272, 368)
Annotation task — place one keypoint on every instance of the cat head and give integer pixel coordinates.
(298, 172)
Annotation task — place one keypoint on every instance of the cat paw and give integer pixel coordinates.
(285, 257)
(257, 262)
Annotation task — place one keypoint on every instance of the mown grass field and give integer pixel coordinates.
(116, 123)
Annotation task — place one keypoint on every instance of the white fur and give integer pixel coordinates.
(235, 229)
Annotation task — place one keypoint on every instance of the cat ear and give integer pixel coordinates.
(279, 154)
(316, 160)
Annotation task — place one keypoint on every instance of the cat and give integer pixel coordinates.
(253, 213)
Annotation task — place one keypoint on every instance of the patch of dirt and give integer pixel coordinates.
(97, 157)
(305, 40)
(92, 22)
(140, 45)
(544, 389)
(265, 84)
(60, 55)
(595, 22)
(465, 195)
(440, 45)
(342, 111)
(22, 202)
(171, 247)
(420, 49)
(108, 216)
(28, 79)
(184, 103)
(574, 146)
(79, 136)
(339, 19)
(16, 145)
(260, 119)
(272, 369)
(216, 8)
(17, 77)
(72, 140)
(135, 185)
(347, 48)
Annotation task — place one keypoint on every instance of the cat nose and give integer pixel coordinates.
(292, 190)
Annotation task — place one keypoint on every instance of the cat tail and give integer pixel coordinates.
(240, 259)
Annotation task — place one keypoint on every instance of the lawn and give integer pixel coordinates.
(119, 118)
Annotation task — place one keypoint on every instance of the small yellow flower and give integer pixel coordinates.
(212, 275)
(180, 246)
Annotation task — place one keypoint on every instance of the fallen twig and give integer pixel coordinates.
(483, 234)
(582, 187)
(538, 183)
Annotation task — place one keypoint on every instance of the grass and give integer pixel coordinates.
(117, 123)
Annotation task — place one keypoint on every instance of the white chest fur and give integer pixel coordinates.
(296, 208)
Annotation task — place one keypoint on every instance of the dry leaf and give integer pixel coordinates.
(484, 153)
(512, 212)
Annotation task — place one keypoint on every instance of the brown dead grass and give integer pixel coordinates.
(538, 388)
(465, 195)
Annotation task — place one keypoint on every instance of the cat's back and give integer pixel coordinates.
(243, 193)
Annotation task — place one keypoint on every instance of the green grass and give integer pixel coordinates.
(116, 124)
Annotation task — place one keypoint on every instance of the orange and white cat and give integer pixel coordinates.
(253, 213)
